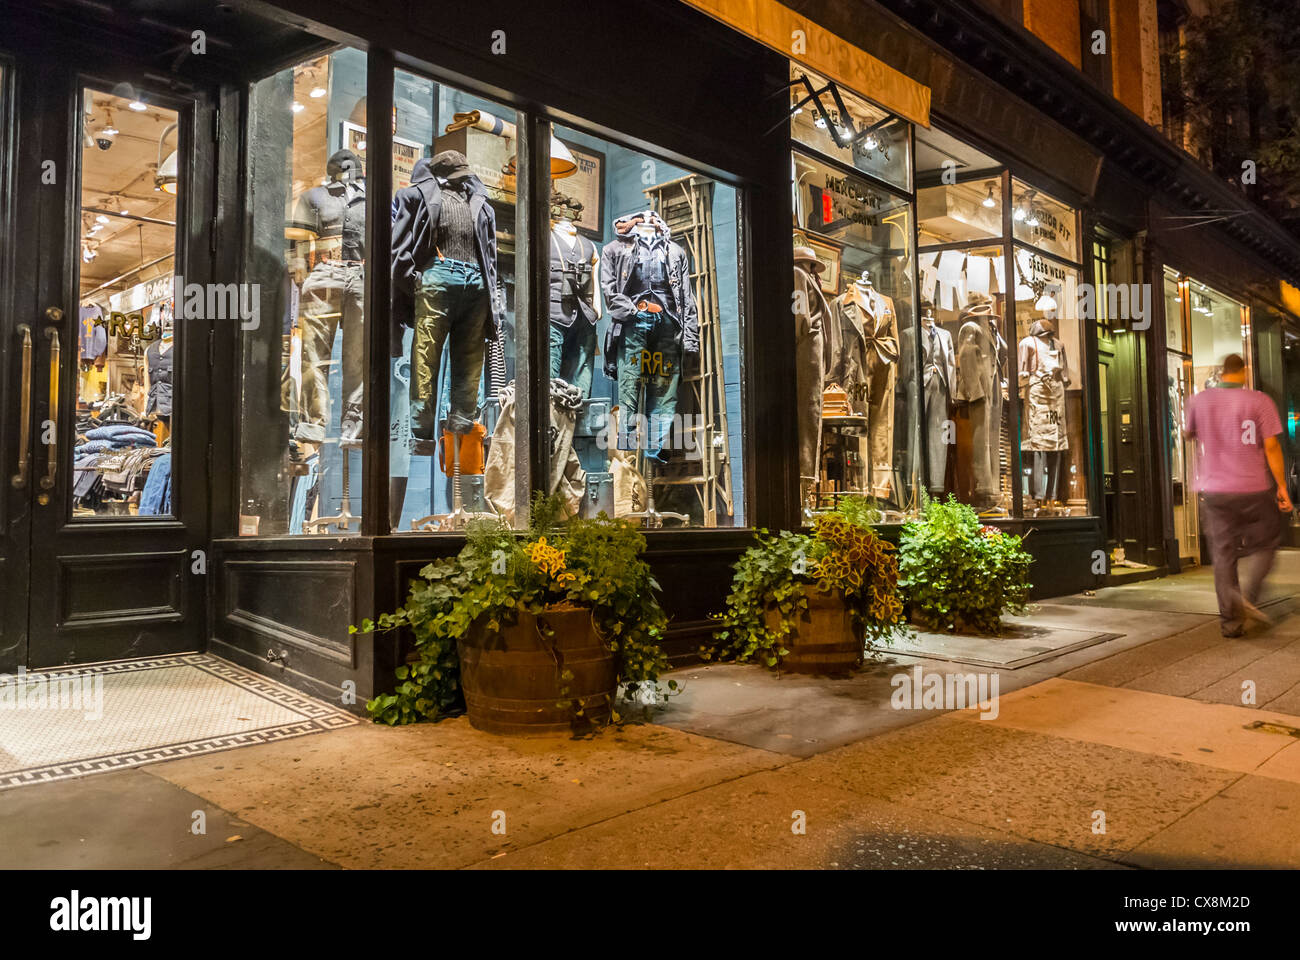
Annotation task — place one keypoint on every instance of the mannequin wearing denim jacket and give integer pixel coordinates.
(573, 309)
(654, 327)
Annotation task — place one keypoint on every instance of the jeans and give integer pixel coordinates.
(649, 368)
(332, 294)
(1243, 528)
(573, 354)
(451, 309)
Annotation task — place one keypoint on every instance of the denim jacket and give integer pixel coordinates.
(616, 262)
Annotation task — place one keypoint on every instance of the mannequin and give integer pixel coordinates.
(575, 307)
(981, 366)
(865, 366)
(158, 377)
(334, 217)
(1044, 375)
(934, 392)
(654, 329)
(444, 285)
(811, 314)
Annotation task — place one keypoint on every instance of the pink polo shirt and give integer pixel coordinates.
(1231, 424)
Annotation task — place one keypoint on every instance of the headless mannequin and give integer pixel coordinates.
(573, 317)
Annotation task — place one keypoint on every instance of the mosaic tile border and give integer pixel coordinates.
(318, 717)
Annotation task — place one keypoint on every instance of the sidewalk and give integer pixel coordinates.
(1147, 731)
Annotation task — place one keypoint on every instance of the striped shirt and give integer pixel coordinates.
(1231, 424)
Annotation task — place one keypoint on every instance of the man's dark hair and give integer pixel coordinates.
(1233, 363)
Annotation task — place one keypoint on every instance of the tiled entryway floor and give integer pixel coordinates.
(74, 721)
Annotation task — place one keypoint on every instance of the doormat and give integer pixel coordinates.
(1019, 645)
(73, 721)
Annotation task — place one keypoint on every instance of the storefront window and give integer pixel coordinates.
(837, 124)
(855, 311)
(967, 210)
(644, 337)
(304, 363)
(1048, 360)
(1218, 327)
(1044, 223)
(454, 453)
(126, 336)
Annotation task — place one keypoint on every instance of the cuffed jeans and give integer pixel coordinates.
(649, 366)
(573, 354)
(452, 310)
(332, 294)
(1245, 529)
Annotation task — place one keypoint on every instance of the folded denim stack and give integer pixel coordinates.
(121, 436)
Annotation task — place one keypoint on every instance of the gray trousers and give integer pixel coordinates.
(986, 445)
(809, 375)
(1244, 530)
(332, 296)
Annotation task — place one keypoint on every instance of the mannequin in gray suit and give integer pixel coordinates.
(938, 376)
(981, 370)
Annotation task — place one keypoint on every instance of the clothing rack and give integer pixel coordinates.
(686, 205)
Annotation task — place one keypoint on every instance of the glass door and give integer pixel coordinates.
(105, 408)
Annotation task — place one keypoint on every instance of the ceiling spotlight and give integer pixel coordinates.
(317, 93)
(871, 143)
(361, 145)
(111, 130)
(138, 106)
(298, 107)
(819, 122)
(988, 201)
(124, 213)
(1032, 219)
(1019, 214)
(101, 219)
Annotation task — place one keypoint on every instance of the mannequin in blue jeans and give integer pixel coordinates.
(649, 360)
(452, 309)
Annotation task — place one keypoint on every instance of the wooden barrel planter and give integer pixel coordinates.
(823, 639)
(511, 677)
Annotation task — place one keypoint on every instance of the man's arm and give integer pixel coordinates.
(1273, 451)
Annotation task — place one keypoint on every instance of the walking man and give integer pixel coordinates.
(1243, 487)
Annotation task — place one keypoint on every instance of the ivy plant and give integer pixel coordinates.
(593, 564)
(956, 574)
(772, 580)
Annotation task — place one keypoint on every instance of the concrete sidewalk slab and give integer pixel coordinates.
(130, 820)
(428, 795)
(1250, 825)
(1036, 786)
(1213, 734)
(748, 824)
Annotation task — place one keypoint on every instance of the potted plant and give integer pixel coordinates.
(536, 632)
(956, 574)
(811, 602)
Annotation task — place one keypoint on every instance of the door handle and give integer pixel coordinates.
(54, 315)
(19, 479)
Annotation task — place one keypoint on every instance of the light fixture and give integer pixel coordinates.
(361, 145)
(1019, 214)
(819, 122)
(138, 106)
(317, 93)
(298, 107)
(1032, 219)
(88, 252)
(94, 230)
(166, 173)
(870, 143)
(101, 219)
(988, 201)
(125, 213)
(111, 130)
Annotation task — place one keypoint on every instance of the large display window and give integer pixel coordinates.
(854, 305)
(303, 430)
(641, 325)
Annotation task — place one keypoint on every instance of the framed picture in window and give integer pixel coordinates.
(828, 254)
(587, 186)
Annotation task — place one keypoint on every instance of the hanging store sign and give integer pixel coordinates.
(795, 36)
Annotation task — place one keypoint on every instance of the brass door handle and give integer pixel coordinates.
(55, 315)
(19, 479)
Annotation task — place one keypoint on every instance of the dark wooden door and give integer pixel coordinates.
(105, 202)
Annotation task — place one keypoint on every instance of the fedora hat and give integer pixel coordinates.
(809, 256)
